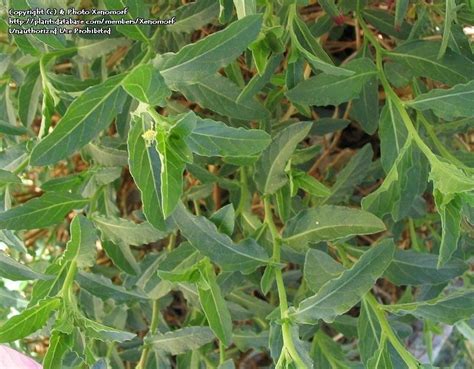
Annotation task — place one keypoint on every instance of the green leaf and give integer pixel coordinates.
(446, 309)
(449, 209)
(270, 168)
(59, 345)
(353, 173)
(402, 185)
(392, 134)
(328, 354)
(8, 129)
(415, 268)
(29, 320)
(329, 223)
(182, 340)
(145, 168)
(385, 23)
(320, 268)
(105, 289)
(213, 138)
(306, 44)
(365, 109)
(81, 248)
(447, 103)
(172, 168)
(7, 177)
(122, 257)
(15, 271)
(123, 230)
(146, 84)
(449, 19)
(192, 16)
(449, 179)
(204, 236)
(9, 239)
(224, 219)
(401, 11)
(214, 305)
(41, 212)
(104, 333)
(134, 9)
(420, 58)
(327, 89)
(84, 119)
(309, 184)
(199, 60)
(106, 156)
(220, 94)
(338, 295)
(29, 94)
(381, 358)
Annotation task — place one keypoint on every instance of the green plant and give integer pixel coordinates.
(187, 195)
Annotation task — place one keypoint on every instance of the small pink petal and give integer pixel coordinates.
(11, 359)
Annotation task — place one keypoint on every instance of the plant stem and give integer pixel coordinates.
(414, 240)
(288, 343)
(66, 290)
(407, 357)
(155, 316)
(221, 353)
(390, 93)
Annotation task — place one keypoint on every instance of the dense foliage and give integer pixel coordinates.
(262, 183)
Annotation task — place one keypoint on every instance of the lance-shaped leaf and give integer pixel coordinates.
(213, 304)
(104, 333)
(102, 287)
(449, 209)
(182, 340)
(8, 177)
(59, 344)
(449, 179)
(81, 248)
(213, 138)
(41, 211)
(172, 168)
(15, 271)
(134, 9)
(29, 320)
(305, 43)
(328, 354)
(446, 309)
(122, 256)
(192, 16)
(220, 94)
(325, 89)
(28, 95)
(420, 58)
(448, 103)
(196, 61)
(416, 268)
(124, 230)
(329, 223)
(84, 119)
(204, 236)
(392, 134)
(353, 173)
(338, 295)
(145, 168)
(365, 109)
(402, 185)
(146, 84)
(270, 168)
(320, 268)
